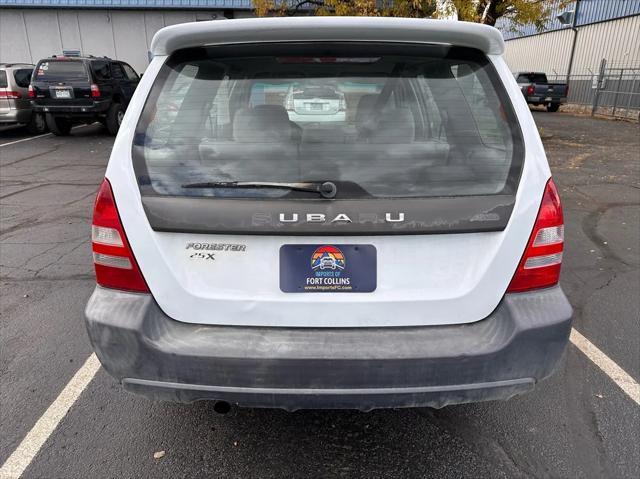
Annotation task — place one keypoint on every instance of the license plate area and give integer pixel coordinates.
(62, 93)
(328, 268)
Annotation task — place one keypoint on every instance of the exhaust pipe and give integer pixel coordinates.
(223, 408)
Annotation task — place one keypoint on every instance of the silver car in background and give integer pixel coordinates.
(15, 105)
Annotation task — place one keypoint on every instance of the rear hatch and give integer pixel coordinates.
(62, 82)
(22, 79)
(551, 90)
(233, 221)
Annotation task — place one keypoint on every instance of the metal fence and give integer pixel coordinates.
(613, 90)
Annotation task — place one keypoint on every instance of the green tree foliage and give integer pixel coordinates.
(370, 8)
(520, 12)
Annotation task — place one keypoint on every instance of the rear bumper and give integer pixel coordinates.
(93, 108)
(337, 117)
(360, 368)
(16, 116)
(546, 99)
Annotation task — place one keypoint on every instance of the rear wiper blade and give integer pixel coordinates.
(326, 189)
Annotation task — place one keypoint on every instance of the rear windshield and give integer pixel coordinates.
(377, 120)
(532, 78)
(23, 77)
(61, 70)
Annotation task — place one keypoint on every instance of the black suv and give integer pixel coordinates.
(82, 89)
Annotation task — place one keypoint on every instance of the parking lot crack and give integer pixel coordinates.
(607, 283)
(590, 229)
(8, 195)
(481, 443)
(59, 257)
(32, 156)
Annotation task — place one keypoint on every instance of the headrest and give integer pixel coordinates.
(365, 108)
(262, 123)
(395, 125)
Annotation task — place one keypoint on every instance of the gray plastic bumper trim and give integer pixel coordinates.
(362, 368)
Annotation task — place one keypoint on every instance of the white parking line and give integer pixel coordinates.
(20, 459)
(38, 136)
(40, 432)
(24, 139)
(619, 376)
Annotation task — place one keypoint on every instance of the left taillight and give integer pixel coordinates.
(542, 259)
(115, 265)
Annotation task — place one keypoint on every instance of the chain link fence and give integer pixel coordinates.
(613, 90)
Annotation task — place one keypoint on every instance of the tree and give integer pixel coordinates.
(371, 8)
(520, 12)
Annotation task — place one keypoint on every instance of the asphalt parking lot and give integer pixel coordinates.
(579, 423)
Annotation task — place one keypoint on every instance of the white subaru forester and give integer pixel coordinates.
(431, 198)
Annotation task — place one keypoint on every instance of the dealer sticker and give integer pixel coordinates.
(328, 268)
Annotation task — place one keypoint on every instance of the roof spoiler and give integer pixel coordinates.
(291, 29)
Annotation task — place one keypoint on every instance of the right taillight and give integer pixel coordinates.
(113, 259)
(31, 92)
(289, 103)
(95, 91)
(12, 95)
(540, 264)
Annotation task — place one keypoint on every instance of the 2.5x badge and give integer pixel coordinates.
(207, 251)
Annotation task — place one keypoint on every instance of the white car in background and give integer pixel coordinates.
(315, 103)
(435, 194)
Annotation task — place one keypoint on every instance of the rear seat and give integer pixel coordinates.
(395, 126)
(391, 144)
(265, 143)
(263, 124)
(325, 134)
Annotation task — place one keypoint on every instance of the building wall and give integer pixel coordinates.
(142, 4)
(27, 35)
(589, 11)
(617, 40)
